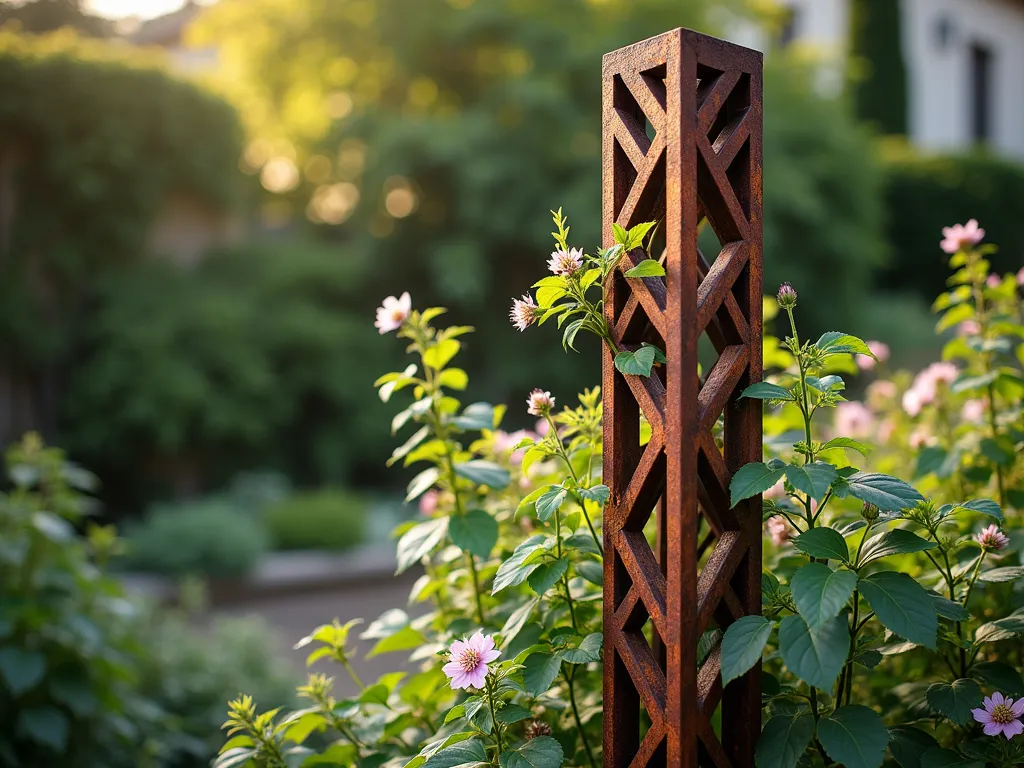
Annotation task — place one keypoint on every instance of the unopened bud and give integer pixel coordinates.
(536, 729)
(869, 512)
(787, 296)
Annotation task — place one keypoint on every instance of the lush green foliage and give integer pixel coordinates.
(38, 16)
(924, 193)
(878, 81)
(87, 676)
(323, 519)
(870, 584)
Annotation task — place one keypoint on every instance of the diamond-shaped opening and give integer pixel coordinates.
(732, 111)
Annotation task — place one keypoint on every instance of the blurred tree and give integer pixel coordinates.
(37, 16)
(878, 76)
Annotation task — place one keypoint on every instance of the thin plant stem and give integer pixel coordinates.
(569, 677)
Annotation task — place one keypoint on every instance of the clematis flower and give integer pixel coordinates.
(392, 313)
(879, 349)
(539, 403)
(959, 235)
(524, 312)
(992, 539)
(566, 263)
(1001, 716)
(469, 659)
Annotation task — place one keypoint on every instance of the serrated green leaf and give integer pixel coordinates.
(514, 571)
(764, 390)
(752, 479)
(542, 752)
(540, 671)
(813, 479)
(821, 593)
(815, 657)
(847, 442)
(825, 543)
(646, 268)
(955, 700)
(895, 542)
(784, 740)
(888, 493)
(1002, 575)
(742, 645)
(419, 541)
(902, 605)
(546, 575)
(909, 744)
(854, 736)
(21, 670)
(475, 532)
(484, 472)
(550, 502)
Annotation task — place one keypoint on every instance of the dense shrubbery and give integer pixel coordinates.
(325, 519)
(894, 620)
(923, 193)
(89, 677)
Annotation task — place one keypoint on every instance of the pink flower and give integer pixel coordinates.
(786, 296)
(853, 419)
(920, 437)
(879, 349)
(539, 403)
(885, 430)
(428, 503)
(973, 410)
(542, 427)
(992, 539)
(1020, 276)
(504, 442)
(959, 235)
(566, 263)
(392, 313)
(777, 491)
(925, 386)
(968, 328)
(524, 312)
(1001, 716)
(993, 281)
(778, 530)
(469, 659)
(881, 391)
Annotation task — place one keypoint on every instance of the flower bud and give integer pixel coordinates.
(869, 512)
(787, 296)
(539, 403)
(537, 728)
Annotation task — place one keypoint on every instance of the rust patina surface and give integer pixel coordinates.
(682, 145)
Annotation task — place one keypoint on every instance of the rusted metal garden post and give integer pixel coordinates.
(682, 145)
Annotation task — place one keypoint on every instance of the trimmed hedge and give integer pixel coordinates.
(926, 193)
(878, 82)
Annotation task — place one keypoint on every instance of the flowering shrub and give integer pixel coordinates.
(870, 583)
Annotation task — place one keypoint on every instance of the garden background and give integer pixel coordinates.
(199, 213)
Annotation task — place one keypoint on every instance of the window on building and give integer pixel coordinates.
(982, 66)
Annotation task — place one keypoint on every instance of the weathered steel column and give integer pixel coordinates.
(682, 144)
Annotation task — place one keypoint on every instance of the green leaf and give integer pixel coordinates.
(597, 494)
(813, 479)
(889, 494)
(930, 460)
(909, 744)
(821, 593)
(546, 574)
(970, 383)
(955, 700)
(475, 532)
(421, 483)
(455, 713)
(45, 725)
(453, 378)
(1001, 629)
(550, 502)
(836, 343)
(854, 736)
(895, 542)
(752, 479)
(513, 713)
(646, 268)
(475, 416)
(587, 651)
(403, 640)
(938, 757)
(825, 543)
(815, 657)
(948, 609)
(1000, 676)
(484, 472)
(405, 448)
(470, 751)
(542, 752)
(21, 670)
(419, 541)
(764, 390)
(1002, 575)
(847, 442)
(440, 354)
(742, 646)
(984, 506)
(902, 605)
(513, 571)
(784, 740)
(375, 694)
(76, 692)
(515, 623)
(640, 362)
(540, 671)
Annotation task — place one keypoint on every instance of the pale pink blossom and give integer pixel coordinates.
(542, 427)
(993, 280)
(968, 328)
(958, 236)
(524, 312)
(1001, 716)
(912, 402)
(879, 349)
(881, 391)
(469, 659)
(974, 410)
(566, 263)
(919, 438)
(885, 430)
(428, 503)
(926, 386)
(505, 442)
(1020, 276)
(853, 419)
(539, 403)
(392, 313)
(778, 530)
(992, 539)
(777, 491)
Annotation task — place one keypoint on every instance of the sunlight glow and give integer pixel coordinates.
(145, 9)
